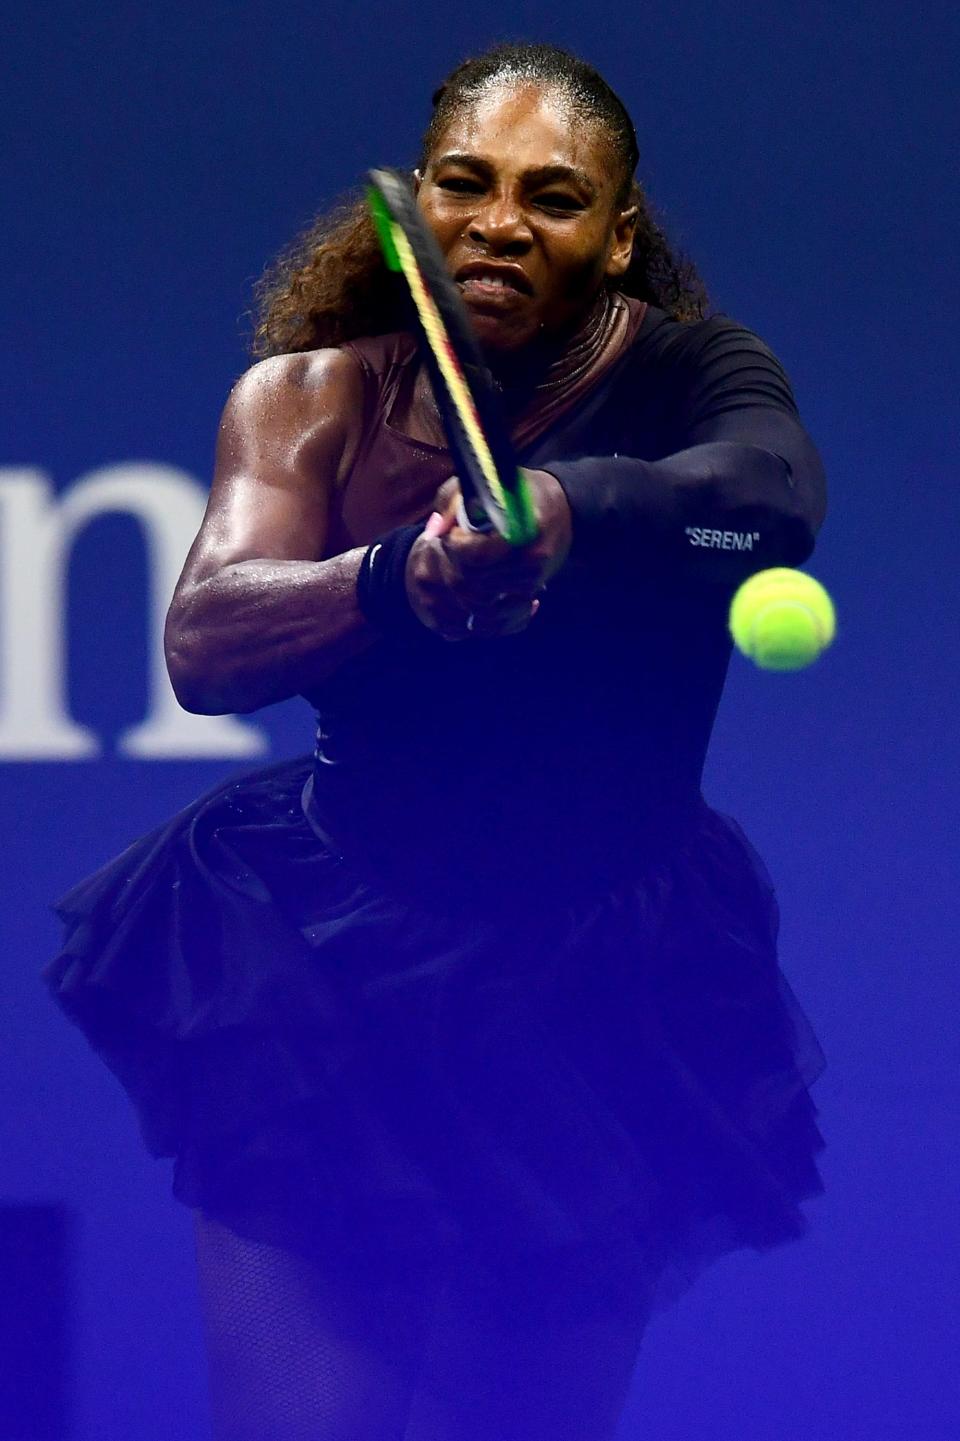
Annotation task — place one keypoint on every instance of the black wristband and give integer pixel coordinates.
(381, 583)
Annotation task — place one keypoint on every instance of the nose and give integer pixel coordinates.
(500, 225)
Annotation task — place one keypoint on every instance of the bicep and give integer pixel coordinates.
(282, 436)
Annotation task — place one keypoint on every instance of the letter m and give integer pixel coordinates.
(37, 530)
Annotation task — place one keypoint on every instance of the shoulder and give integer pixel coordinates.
(710, 364)
(293, 412)
(378, 354)
(663, 339)
(331, 383)
(308, 401)
(297, 380)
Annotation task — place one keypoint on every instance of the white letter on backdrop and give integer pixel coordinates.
(37, 529)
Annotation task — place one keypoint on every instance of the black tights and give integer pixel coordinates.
(299, 1352)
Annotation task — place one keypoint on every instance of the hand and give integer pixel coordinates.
(455, 576)
(464, 583)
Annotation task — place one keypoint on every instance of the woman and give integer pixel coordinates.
(467, 1035)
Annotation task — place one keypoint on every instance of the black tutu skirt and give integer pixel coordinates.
(324, 1057)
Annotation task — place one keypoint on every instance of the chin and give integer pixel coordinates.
(497, 339)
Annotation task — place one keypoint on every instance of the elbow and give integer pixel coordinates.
(203, 681)
(778, 539)
(793, 522)
(191, 687)
(761, 539)
(195, 699)
(798, 538)
(808, 486)
(200, 694)
(802, 526)
(191, 675)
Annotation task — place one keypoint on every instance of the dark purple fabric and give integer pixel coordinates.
(486, 971)
(316, 1050)
(588, 731)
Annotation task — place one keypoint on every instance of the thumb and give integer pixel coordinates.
(444, 516)
(439, 524)
(447, 495)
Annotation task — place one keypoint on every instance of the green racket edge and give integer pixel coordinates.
(519, 523)
(383, 221)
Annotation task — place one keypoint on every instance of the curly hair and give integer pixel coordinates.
(332, 284)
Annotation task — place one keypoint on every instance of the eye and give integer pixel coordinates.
(556, 200)
(460, 184)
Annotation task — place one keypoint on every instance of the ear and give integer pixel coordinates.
(417, 181)
(621, 241)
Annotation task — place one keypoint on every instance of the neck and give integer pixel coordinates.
(553, 362)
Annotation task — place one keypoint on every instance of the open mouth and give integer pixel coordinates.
(501, 282)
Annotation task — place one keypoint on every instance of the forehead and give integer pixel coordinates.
(516, 125)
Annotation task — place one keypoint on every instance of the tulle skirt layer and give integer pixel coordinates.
(324, 1056)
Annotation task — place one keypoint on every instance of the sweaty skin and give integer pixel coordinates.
(260, 612)
(519, 181)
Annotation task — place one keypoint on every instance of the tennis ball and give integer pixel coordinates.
(782, 619)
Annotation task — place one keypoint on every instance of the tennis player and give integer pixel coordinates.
(467, 1033)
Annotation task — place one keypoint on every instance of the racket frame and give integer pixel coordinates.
(495, 495)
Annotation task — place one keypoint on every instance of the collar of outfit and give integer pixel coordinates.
(547, 380)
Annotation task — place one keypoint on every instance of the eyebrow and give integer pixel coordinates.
(536, 175)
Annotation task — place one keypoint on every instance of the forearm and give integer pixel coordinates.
(718, 510)
(260, 631)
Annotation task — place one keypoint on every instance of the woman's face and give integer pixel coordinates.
(519, 191)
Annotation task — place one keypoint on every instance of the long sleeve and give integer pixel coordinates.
(743, 489)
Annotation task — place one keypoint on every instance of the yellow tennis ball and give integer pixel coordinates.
(782, 619)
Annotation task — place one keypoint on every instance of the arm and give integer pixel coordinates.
(744, 489)
(257, 614)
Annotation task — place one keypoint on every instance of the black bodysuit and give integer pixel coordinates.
(569, 747)
(487, 971)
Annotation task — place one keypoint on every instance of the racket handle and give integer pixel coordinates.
(472, 515)
(479, 521)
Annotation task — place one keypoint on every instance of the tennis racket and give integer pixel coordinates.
(495, 495)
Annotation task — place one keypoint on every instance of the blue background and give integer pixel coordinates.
(155, 159)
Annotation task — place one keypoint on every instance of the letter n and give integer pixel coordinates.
(37, 529)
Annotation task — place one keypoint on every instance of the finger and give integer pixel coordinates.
(472, 551)
(447, 496)
(510, 615)
(439, 524)
(517, 620)
(519, 623)
(481, 591)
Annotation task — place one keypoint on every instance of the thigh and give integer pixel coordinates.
(544, 1352)
(301, 1350)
